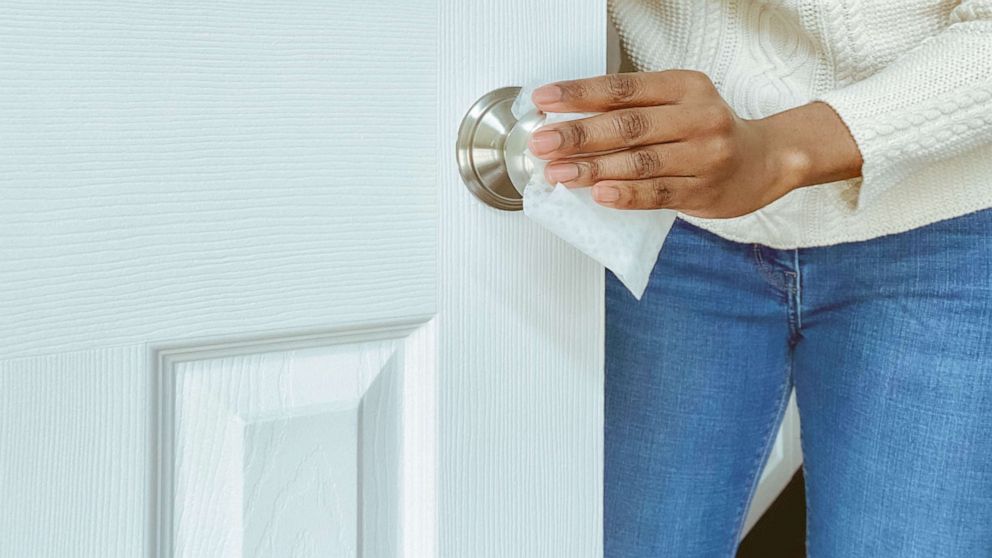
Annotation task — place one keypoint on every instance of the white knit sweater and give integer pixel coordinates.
(912, 79)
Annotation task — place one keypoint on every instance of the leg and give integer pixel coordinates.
(894, 383)
(697, 377)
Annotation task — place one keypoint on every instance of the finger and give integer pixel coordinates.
(654, 193)
(612, 130)
(669, 159)
(615, 91)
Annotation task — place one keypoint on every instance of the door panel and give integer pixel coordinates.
(174, 170)
(521, 411)
(298, 447)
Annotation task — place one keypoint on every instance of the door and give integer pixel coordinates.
(247, 307)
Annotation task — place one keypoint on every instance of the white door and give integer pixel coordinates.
(784, 459)
(247, 307)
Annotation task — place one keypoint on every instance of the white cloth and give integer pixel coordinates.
(912, 79)
(625, 242)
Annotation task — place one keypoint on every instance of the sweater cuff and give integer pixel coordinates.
(933, 103)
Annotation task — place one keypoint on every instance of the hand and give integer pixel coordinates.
(669, 140)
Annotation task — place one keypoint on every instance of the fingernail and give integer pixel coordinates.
(545, 142)
(606, 194)
(546, 94)
(562, 173)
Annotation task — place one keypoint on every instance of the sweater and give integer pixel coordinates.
(911, 79)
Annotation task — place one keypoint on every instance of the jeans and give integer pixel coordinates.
(888, 344)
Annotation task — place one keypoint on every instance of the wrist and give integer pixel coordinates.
(788, 163)
(808, 145)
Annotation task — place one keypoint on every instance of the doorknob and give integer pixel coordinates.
(491, 149)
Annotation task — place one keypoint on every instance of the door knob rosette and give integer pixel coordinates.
(491, 149)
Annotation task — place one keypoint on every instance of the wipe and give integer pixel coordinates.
(626, 242)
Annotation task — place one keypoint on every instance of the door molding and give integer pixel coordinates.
(395, 420)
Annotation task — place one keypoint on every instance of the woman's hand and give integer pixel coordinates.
(668, 140)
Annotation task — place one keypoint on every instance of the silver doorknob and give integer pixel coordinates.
(491, 149)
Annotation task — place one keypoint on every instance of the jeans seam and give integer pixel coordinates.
(762, 458)
(765, 270)
(792, 308)
(799, 290)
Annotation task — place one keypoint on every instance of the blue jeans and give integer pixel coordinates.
(888, 344)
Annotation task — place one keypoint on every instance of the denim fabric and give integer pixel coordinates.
(888, 344)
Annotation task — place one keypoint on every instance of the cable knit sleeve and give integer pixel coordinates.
(932, 103)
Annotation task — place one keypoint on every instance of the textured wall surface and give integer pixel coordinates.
(520, 411)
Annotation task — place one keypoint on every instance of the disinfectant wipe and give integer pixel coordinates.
(626, 242)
